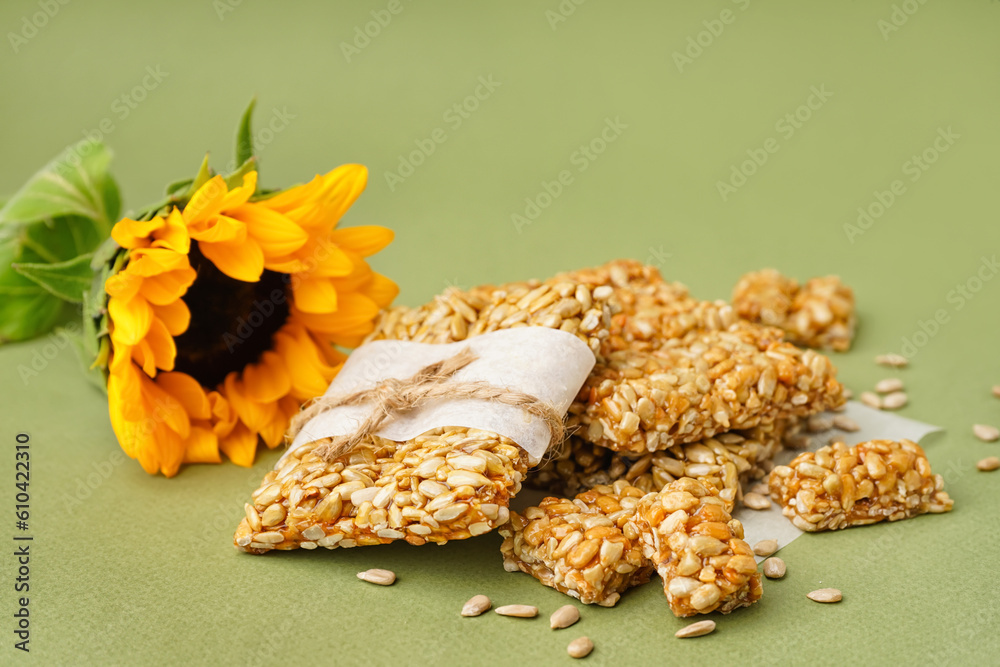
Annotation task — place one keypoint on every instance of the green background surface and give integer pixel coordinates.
(133, 569)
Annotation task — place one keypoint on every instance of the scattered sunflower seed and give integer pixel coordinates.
(476, 605)
(798, 441)
(774, 568)
(765, 547)
(848, 394)
(986, 433)
(757, 501)
(377, 576)
(871, 399)
(845, 423)
(819, 423)
(996, 390)
(989, 464)
(761, 488)
(696, 629)
(825, 595)
(889, 385)
(895, 400)
(518, 610)
(894, 360)
(580, 647)
(563, 617)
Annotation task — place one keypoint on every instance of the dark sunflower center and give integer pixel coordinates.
(232, 322)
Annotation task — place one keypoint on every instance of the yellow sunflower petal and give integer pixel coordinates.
(267, 380)
(186, 391)
(223, 418)
(314, 295)
(254, 415)
(131, 319)
(274, 433)
(123, 285)
(240, 445)
(309, 374)
(240, 260)
(352, 309)
(165, 409)
(174, 234)
(342, 186)
(240, 194)
(202, 446)
(365, 240)
(168, 287)
(175, 316)
(131, 234)
(170, 446)
(147, 262)
(276, 234)
(206, 202)
(295, 197)
(381, 290)
(143, 355)
(219, 229)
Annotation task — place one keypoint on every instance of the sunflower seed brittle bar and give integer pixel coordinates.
(698, 549)
(725, 462)
(840, 487)
(818, 314)
(586, 547)
(447, 484)
(699, 385)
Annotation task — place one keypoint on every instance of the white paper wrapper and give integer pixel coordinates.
(548, 364)
(875, 424)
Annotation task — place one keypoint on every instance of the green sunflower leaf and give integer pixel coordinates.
(75, 183)
(235, 179)
(204, 175)
(179, 186)
(244, 135)
(67, 280)
(26, 308)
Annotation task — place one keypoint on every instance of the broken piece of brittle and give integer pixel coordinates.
(724, 461)
(818, 314)
(698, 549)
(447, 484)
(610, 538)
(839, 487)
(580, 547)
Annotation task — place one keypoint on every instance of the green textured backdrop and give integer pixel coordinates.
(842, 99)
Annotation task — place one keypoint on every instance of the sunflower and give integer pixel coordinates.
(229, 310)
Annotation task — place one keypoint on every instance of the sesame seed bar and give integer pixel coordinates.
(587, 547)
(724, 462)
(840, 487)
(698, 549)
(447, 484)
(818, 314)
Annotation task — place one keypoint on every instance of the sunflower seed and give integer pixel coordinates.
(765, 547)
(819, 423)
(377, 576)
(889, 385)
(871, 399)
(581, 646)
(476, 605)
(563, 617)
(996, 390)
(757, 501)
(989, 464)
(894, 360)
(986, 433)
(696, 629)
(845, 423)
(825, 595)
(518, 610)
(895, 400)
(774, 568)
